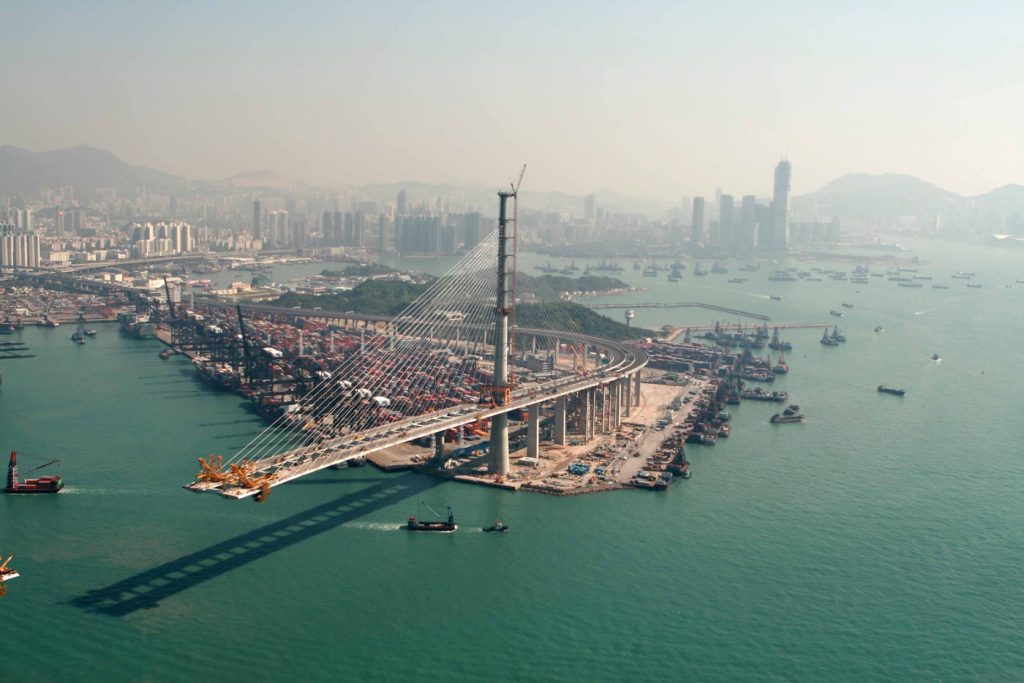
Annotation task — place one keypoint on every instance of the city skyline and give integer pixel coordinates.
(653, 101)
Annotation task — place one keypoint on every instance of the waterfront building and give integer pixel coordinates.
(747, 238)
(257, 215)
(697, 234)
(726, 222)
(780, 206)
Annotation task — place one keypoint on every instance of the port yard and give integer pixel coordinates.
(37, 305)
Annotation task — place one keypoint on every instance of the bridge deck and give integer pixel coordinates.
(298, 462)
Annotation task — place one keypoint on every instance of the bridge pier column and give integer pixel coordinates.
(627, 386)
(590, 414)
(636, 390)
(558, 429)
(616, 405)
(605, 410)
(558, 346)
(533, 431)
(439, 447)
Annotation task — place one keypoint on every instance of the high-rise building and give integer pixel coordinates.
(780, 206)
(697, 234)
(402, 206)
(747, 238)
(589, 207)
(726, 222)
(257, 215)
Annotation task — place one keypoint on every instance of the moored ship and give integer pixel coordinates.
(136, 325)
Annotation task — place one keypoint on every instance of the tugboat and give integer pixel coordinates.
(6, 574)
(444, 526)
(497, 526)
(78, 337)
(50, 484)
(891, 390)
(89, 332)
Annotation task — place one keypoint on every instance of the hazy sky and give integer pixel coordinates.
(655, 99)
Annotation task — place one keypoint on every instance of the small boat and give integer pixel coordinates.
(878, 328)
(836, 336)
(891, 390)
(443, 526)
(78, 337)
(791, 409)
(826, 340)
(935, 356)
(167, 353)
(845, 305)
(779, 418)
(497, 526)
(89, 332)
(838, 314)
(775, 298)
(6, 573)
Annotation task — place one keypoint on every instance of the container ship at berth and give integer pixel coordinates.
(136, 325)
(49, 484)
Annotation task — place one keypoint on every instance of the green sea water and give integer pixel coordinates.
(881, 540)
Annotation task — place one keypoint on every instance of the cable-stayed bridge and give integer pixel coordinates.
(454, 359)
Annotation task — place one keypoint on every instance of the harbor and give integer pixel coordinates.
(757, 499)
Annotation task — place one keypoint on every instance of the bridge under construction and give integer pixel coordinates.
(453, 363)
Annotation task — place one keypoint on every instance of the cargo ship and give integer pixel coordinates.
(443, 526)
(50, 484)
(891, 390)
(136, 325)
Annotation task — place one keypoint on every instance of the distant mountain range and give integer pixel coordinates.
(856, 196)
(860, 195)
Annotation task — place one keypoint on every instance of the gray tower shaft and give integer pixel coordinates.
(503, 311)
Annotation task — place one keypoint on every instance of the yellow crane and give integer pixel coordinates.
(6, 574)
(212, 470)
(244, 475)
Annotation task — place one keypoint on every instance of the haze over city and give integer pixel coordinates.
(654, 99)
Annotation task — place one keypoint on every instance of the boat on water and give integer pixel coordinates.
(846, 305)
(781, 368)
(775, 298)
(827, 340)
(838, 314)
(167, 353)
(47, 322)
(48, 484)
(498, 526)
(781, 418)
(6, 573)
(878, 328)
(78, 337)
(89, 332)
(935, 356)
(891, 390)
(440, 525)
(836, 336)
(7, 327)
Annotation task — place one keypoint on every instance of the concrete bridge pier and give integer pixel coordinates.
(558, 432)
(616, 405)
(636, 390)
(627, 402)
(533, 431)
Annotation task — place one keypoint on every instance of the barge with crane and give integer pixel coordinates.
(47, 484)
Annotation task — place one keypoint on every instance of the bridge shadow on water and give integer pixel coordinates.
(146, 589)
